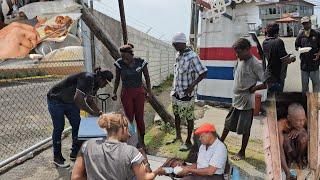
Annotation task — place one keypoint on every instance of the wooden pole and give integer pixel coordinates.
(93, 50)
(123, 22)
(313, 130)
(272, 147)
(196, 24)
(192, 23)
(95, 27)
(106, 40)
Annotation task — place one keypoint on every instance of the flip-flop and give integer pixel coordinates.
(174, 141)
(185, 147)
(237, 157)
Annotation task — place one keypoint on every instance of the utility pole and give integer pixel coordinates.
(192, 35)
(123, 22)
(93, 50)
(194, 24)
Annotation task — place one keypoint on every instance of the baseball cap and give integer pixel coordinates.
(205, 128)
(179, 38)
(305, 19)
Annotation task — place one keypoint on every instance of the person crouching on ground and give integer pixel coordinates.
(293, 138)
(111, 158)
(212, 157)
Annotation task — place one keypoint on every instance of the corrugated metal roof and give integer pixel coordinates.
(286, 2)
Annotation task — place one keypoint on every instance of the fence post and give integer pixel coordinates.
(168, 62)
(93, 52)
(160, 66)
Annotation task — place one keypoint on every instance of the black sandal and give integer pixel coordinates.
(174, 141)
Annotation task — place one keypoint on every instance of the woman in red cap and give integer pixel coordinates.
(212, 157)
(130, 69)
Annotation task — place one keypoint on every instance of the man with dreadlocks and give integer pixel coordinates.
(277, 57)
(66, 99)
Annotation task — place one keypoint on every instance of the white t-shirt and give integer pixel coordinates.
(215, 155)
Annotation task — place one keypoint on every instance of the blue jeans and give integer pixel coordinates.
(314, 76)
(57, 111)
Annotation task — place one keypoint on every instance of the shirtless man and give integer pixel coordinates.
(293, 138)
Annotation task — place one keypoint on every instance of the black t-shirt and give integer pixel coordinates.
(274, 50)
(307, 62)
(131, 77)
(65, 90)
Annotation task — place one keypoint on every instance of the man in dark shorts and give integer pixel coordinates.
(247, 73)
(293, 138)
(66, 99)
(277, 57)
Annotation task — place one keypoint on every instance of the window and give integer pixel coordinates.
(274, 11)
(270, 10)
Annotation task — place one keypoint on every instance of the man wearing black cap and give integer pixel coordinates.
(66, 99)
(309, 38)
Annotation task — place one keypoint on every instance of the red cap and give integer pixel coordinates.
(204, 128)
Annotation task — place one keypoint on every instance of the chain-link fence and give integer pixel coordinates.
(24, 84)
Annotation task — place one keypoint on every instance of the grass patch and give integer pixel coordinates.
(156, 139)
(254, 152)
(163, 86)
(23, 74)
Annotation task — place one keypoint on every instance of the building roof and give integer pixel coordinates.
(286, 20)
(285, 2)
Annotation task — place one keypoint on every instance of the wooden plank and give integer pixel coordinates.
(203, 4)
(267, 151)
(313, 130)
(273, 154)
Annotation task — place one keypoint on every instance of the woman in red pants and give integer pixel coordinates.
(130, 69)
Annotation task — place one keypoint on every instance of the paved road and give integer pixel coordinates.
(24, 117)
(293, 80)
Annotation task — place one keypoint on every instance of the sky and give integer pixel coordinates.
(163, 18)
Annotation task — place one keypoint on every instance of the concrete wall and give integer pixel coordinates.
(160, 55)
